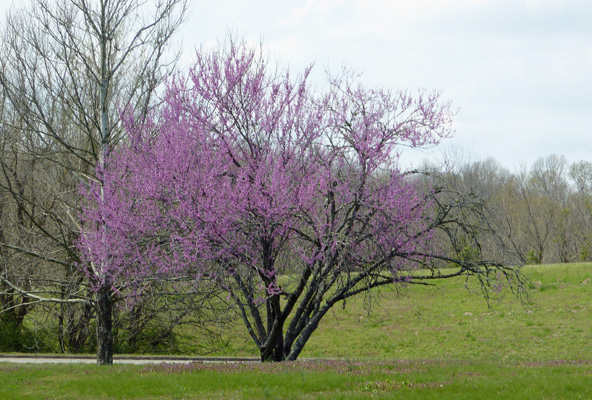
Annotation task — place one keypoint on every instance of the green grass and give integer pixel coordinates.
(301, 380)
(427, 342)
(447, 321)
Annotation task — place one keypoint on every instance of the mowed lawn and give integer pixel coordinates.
(301, 380)
(426, 342)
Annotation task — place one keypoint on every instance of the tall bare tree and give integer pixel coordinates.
(68, 68)
(580, 174)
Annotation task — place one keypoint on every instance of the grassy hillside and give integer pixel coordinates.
(447, 321)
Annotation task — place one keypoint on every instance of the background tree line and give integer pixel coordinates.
(541, 213)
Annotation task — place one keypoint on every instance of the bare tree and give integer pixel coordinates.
(549, 177)
(581, 205)
(68, 68)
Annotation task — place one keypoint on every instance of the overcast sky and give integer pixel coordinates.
(519, 71)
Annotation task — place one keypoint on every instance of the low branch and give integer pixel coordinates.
(37, 255)
(39, 299)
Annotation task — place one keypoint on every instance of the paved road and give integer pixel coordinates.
(33, 359)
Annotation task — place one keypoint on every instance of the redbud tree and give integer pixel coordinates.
(289, 199)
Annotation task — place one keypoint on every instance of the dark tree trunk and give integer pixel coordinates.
(61, 331)
(278, 352)
(273, 348)
(275, 352)
(104, 327)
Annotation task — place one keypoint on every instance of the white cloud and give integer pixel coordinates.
(417, 9)
(563, 63)
(290, 45)
(305, 9)
(545, 5)
(311, 9)
(322, 6)
(325, 6)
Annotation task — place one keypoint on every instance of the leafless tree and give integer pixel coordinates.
(580, 204)
(68, 68)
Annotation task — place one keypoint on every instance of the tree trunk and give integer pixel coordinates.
(104, 327)
(275, 352)
(311, 326)
(273, 349)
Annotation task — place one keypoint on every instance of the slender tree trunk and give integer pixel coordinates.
(104, 306)
(61, 330)
(104, 327)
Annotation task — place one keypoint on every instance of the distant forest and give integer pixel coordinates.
(541, 214)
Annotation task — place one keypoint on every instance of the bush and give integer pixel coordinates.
(534, 257)
(15, 337)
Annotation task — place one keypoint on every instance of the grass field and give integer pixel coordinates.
(302, 380)
(428, 342)
(447, 321)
